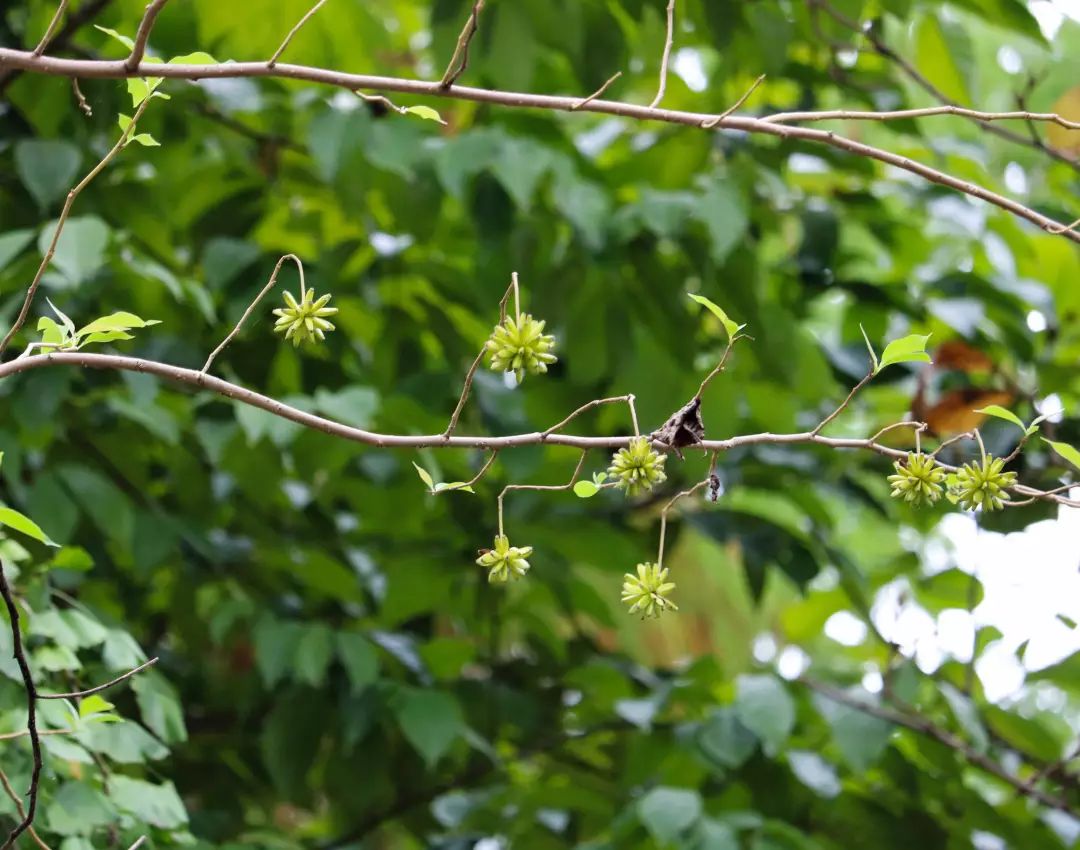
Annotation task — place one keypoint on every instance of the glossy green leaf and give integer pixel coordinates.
(425, 112)
(1071, 454)
(908, 349)
(732, 328)
(16, 521)
(669, 812)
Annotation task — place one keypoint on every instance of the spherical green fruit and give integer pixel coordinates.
(637, 468)
(918, 481)
(519, 345)
(983, 485)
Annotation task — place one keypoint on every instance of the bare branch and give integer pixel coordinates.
(17, 800)
(669, 38)
(1063, 228)
(596, 93)
(31, 708)
(299, 25)
(98, 69)
(460, 60)
(925, 726)
(142, 36)
(596, 402)
(900, 114)
(269, 285)
(719, 366)
(844, 405)
(674, 499)
(51, 29)
(84, 106)
(474, 479)
(71, 196)
(712, 122)
(109, 684)
(205, 381)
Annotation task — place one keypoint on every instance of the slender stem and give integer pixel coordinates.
(107, 685)
(460, 60)
(1063, 228)
(669, 38)
(630, 399)
(719, 366)
(600, 91)
(844, 405)
(664, 512)
(549, 487)
(712, 122)
(925, 112)
(596, 402)
(51, 29)
(299, 25)
(142, 36)
(262, 293)
(918, 426)
(54, 241)
(31, 708)
(517, 295)
(474, 479)
(80, 99)
(956, 438)
(982, 448)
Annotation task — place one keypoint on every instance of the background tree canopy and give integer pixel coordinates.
(335, 670)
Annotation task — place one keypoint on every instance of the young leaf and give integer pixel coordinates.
(52, 333)
(1066, 451)
(996, 410)
(425, 476)
(1034, 426)
(907, 349)
(425, 112)
(455, 485)
(13, 519)
(870, 348)
(94, 704)
(197, 58)
(146, 140)
(585, 489)
(731, 327)
(121, 321)
(69, 325)
(105, 336)
(123, 39)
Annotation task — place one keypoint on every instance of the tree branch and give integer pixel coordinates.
(31, 708)
(669, 38)
(99, 688)
(299, 25)
(460, 60)
(142, 35)
(105, 69)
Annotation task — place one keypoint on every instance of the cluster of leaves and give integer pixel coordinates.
(313, 615)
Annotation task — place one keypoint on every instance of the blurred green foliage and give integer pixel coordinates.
(335, 670)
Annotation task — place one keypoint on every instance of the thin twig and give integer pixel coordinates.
(596, 93)
(71, 196)
(712, 122)
(31, 708)
(142, 35)
(925, 726)
(925, 112)
(51, 29)
(474, 479)
(460, 60)
(719, 366)
(664, 512)
(138, 843)
(299, 25)
(596, 402)
(452, 426)
(669, 38)
(918, 426)
(956, 438)
(1063, 228)
(549, 487)
(80, 100)
(269, 285)
(844, 405)
(17, 800)
(107, 685)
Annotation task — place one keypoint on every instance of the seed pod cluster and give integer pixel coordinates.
(647, 592)
(304, 320)
(637, 468)
(983, 484)
(918, 480)
(519, 345)
(505, 562)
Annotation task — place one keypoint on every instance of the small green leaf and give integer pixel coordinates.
(870, 348)
(52, 333)
(17, 521)
(455, 485)
(123, 39)
(999, 412)
(197, 58)
(105, 336)
(425, 112)
(94, 704)
(585, 489)
(1066, 451)
(146, 140)
(425, 476)
(1034, 426)
(121, 321)
(908, 349)
(599, 478)
(69, 325)
(731, 327)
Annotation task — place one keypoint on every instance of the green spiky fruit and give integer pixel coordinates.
(637, 468)
(983, 485)
(647, 592)
(505, 562)
(520, 345)
(304, 320)
(918, 481)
